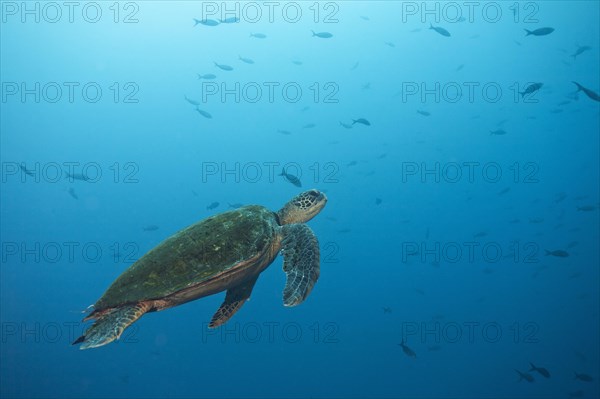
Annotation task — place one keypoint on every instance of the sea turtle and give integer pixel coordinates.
(225, 252)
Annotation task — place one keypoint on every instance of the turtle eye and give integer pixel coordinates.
(313, 193)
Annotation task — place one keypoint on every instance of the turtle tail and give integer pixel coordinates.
(111, 325)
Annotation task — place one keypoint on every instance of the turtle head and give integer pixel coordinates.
(302, 207)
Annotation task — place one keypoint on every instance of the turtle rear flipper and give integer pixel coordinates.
(300, 249)
(234, 299)
(110, 326)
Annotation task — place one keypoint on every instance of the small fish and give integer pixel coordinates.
(365, 18)
(212, 205)
(559, 253)
(345, 125)
(415, 30)
(565, 102)
(480, 234)
(536, 220)
(539, 31)
(246, 60)
(362, 121)
(540, 370)
(504, 191)
(224, 67)
(434, 348)
(499, 132)
(440, 30)
(194, 193)
(587, 208)
(204, 113)
(193, 102)
(560, 197)
(72, 193)
(378, 201)
(352, 163)
(77, 176)
(407, 351)
(366, 86)
(460, 67)
(322, 35)
(580, 50)
(532, 88)
(390, 44)
(591, 94)
(286, 132)
(296, 62)
(206, 22)
(424, 113)
(584, 377)
(207, 76)
(27, 172)
(230, 20)
(291, 178)
(525, 376)
(309, 126)
(258, 35)
(235, 206)
(150, 227)
(387, 310)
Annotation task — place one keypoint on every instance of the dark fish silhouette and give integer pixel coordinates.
(532, 88)
(224, 67)
(440, 30)
(378, 201)
(71, 192)
(345, 125)
(246, 60)
(424, 113)
(207, 76)
(203, 113)
(525, 376)
(504, 191)
(580, 50)
(559, 253)
(77, 176)
(322, 35)
(309, 126)
(361, 121)
(584, 377)
(286, 132)
(258, 35)
(206, 22)
(540, 370)
(291, 178)
(230, 20)
(480, 234)
(150, 227)
(27, 172)
(191, 101)
(387, 310)
(390, 44)
(297, 62)
(587, 208)
(236, 205)
(407, 351)
(539, 32)
(213, 205)
(591, 94)
(499, 132)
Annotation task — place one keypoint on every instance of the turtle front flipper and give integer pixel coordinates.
(300, 249)
(111, 325)
(234, 299)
